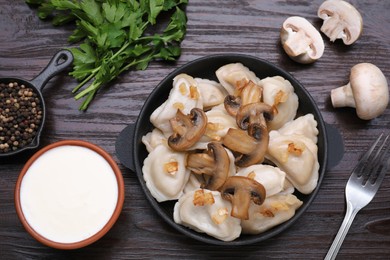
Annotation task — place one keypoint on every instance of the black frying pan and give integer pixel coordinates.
(131, 151)
(58, 63)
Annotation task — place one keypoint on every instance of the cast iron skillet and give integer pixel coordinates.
(60, 61)
(131, 151)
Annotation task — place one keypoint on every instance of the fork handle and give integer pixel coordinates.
(335, 247)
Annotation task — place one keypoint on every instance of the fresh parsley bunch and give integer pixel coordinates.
(116, 36)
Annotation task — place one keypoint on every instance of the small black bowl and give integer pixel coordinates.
(60, 61)
(132, 152)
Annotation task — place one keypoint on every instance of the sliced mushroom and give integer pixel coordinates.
(187, 129)
(247, 94)
(251, 146)
(254, 113)
(300, 40)
(341, 21)
(367, 91)
(240, 191)
(232, 104)
(214, 162)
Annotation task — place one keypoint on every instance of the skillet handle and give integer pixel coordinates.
(124, 147)
(58, 63)
(335, 146)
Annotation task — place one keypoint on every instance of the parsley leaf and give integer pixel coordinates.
(115, 36)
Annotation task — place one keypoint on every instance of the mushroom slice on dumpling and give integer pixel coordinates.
(184, 96)
(274, 211)
(304, 125)
(297, 156)
(205, 211)
(279, 93)
(165, 173)
(234, 76)
(197, 181)
(272, 178)
(218, 124)
(211, 91)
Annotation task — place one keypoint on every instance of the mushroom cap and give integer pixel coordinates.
(240, 191)
(254, 113)
(214, 162)
(370, 90)
(187, 129)
(250, 145)
(341, 21)
(300, 40)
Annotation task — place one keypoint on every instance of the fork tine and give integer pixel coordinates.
(380, 162)
(364, 159)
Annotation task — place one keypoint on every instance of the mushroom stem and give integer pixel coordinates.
(239, 141)
(214, 163)
(343, 96)
(297, 43)
(333, 29)
(201, 163)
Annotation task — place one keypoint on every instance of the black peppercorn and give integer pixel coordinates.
(20, 116)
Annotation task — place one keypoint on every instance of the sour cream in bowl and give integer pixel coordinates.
(69, 194)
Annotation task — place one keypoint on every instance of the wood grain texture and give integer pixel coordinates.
(214, 26)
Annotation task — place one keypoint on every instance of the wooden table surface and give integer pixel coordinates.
(214, 26)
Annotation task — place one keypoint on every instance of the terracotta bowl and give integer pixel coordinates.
(32, 228)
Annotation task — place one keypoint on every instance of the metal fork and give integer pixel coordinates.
(362, 186)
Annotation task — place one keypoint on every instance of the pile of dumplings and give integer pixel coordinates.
(289, 162)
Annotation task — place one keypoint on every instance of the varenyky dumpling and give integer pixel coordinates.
(297, 156)
(205, 211)
(184, 96)
(165, 173)
(279, 92)
(195, 181)
(274, 211)
(235, 75)
(272, 178)
(304, 125)
(211, 91)
(218, 123)
(154, 138)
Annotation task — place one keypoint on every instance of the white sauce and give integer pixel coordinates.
(69, 193)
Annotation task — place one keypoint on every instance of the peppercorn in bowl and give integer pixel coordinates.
(22, 107)
(21, 115)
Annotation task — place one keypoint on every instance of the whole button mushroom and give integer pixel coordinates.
(300, 40)
(367, 91)
(341, 21)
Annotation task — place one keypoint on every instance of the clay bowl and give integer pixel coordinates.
(91, 178)
(131, 151)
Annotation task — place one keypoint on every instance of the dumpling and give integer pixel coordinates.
(297, 156)
(274, 211)
(272, 178)
(152, 139)
(184, 96)
(279, 92)
(218, 123)
(211, 91)
(234, 75)
(205, 211)
(194, 183)
(165, 173)
(304, 125)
